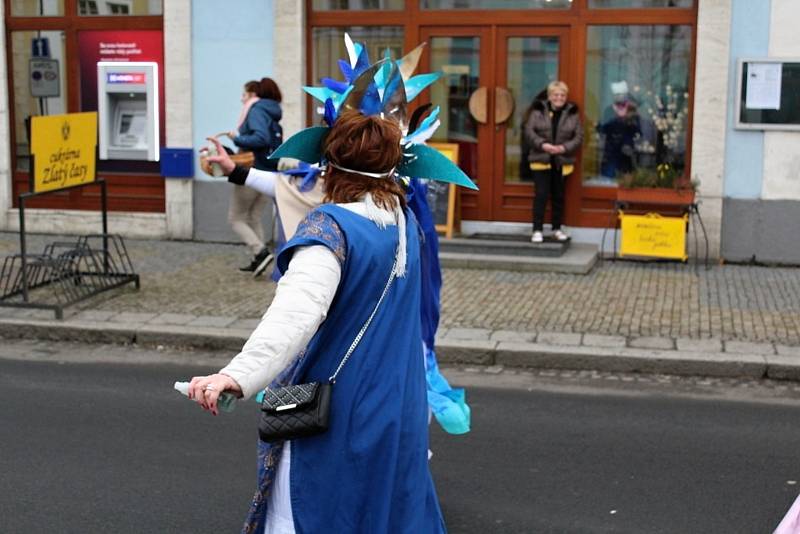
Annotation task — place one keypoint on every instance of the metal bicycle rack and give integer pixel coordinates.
(66, 272)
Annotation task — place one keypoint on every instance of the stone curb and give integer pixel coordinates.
(473, 346)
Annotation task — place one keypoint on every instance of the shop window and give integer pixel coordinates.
(39, 87)
(328, 47)
(495, 4)
(37, 8)
(356, 5)
(622, 4)
(119, 7)
(636, 102)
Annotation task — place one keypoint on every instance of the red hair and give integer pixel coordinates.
(368, 144)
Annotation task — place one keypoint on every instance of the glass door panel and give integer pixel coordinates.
(527, 59)
(532, 63)
(459, 59)
(491, 76)
(463, 54)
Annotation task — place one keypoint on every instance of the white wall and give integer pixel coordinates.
(782, 149)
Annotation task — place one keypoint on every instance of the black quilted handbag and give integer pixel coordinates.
(295, 411)
(302, 410)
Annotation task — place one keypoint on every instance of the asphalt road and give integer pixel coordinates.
(110, 447)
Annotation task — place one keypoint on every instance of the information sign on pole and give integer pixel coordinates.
(45, 79)
(40, 47)
(63, 147)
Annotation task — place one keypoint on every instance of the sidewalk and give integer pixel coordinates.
(670, 318)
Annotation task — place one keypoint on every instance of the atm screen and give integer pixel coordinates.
(131, 128)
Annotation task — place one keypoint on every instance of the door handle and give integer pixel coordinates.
(503, 105)
(478, 103)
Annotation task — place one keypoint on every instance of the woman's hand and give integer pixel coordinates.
(205, 390)
(232, 134)
(225, 162)
(550, 149)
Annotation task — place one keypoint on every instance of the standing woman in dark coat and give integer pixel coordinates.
(554, 134)
(260, 133)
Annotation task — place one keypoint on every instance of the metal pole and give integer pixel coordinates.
(22, 248)
(104, 208)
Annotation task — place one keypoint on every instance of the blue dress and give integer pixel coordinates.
(369, 472)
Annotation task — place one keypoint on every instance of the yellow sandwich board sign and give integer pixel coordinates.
(653, 235)
(63, 147)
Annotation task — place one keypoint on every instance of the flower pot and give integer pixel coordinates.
(653, 195)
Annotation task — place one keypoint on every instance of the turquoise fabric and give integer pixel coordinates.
(449, 405)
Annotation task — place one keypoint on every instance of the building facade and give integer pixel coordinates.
(655, 80)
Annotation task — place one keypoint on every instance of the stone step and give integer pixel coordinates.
(503, 246)
(579, 258)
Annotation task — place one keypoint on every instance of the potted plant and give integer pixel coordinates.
(663, 185)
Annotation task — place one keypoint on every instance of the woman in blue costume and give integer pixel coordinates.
(369, 472)
(298, 189)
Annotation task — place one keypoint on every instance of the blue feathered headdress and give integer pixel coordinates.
(383, 87)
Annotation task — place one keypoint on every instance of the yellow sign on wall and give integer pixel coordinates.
(654, 236)
(64, 150)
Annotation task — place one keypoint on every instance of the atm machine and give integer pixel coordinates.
(127, 98)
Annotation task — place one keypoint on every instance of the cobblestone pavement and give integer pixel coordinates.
(729, 302)
(632, 299)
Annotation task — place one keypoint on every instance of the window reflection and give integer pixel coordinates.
(39, 84)
(355, 5)
(119, 7)
(495, 4)
(640, 3)
(459, 59)
(40, 8)
(636, 103)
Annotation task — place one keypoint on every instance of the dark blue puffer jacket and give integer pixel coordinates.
(261, 131)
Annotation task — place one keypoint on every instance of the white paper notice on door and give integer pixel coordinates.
(764, 85)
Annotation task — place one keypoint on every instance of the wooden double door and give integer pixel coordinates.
(492, 75)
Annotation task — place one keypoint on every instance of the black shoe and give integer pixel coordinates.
(249, 268)
(262, 261)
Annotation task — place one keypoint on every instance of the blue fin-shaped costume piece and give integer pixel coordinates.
(363, 95)
(383, 73)
(330, 113)
(320, 93)
(305, 145)
(420, 133)
(362, 63)
(347, 70)
(420, 82)
(335, 85)
(422, 161)
(394, 103)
